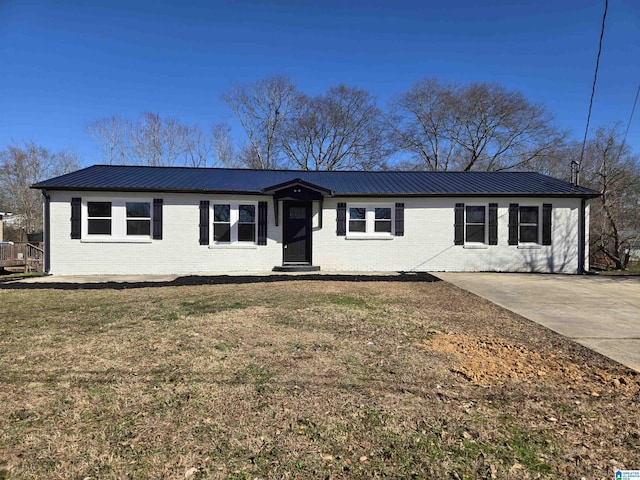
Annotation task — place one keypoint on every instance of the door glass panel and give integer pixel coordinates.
(297, 213)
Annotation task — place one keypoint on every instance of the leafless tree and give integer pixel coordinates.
(158, 141)
(481, 126)
(113, 135)
(262, 107)
(152, 139)
(199, 147)
(341, 129)
(223, 146)
(610, 167)
(23, 165)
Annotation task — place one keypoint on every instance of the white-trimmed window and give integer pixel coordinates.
(475, 224)
(372, 220)
(529, 224)
(138, 218)
(235, 222)
(117, 219)
(99, 218)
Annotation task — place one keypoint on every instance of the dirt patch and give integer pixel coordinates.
(490, 360)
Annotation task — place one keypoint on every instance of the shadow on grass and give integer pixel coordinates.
(192, 280)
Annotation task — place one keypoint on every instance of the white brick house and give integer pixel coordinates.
(164, 220)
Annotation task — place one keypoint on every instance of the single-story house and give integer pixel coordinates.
(174, 220)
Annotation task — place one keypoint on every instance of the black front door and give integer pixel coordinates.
(297, 232)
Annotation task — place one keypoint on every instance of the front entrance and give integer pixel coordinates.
(296, 219)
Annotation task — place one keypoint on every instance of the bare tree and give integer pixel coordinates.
(158, 141)
(199, 147)
(223, 145)
(262, 107)
(113, 135)
(342, 129)
(422, 123)
(481, 126)
(152, 139)
(610, 167)
(23, 165)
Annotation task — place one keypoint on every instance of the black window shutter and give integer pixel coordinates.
(459, 224)
(513, 223)
(341, 227)
(399, 220)
(262, 223)
(76, 216)
(204, 222)
(546, 224)
(157, 219)
(493, 224)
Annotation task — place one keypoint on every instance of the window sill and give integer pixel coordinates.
(234, 246)
(115, 240)
(476, 246)
(530, 246)
(369, 237)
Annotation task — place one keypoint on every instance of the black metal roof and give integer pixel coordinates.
(339, 183)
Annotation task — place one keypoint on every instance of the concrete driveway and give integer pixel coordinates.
(599, 312)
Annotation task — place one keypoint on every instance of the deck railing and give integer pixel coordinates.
(27, 255)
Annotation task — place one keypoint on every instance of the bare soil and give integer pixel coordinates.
(301, 379)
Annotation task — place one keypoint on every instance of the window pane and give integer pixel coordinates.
(246, 232)
(138, 209)
(529, 234)
(221, 213)
(138, 227)
(247, 213)
(383, 214)
(99, 227)
(221, 232)
(357, 213)
(475, 214)
(529, 215)
(383, 226)
(475, 233)
(357, 226)
(99, 209)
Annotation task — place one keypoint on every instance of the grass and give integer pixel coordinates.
(300, 379)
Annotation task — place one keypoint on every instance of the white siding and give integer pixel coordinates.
(427, 244)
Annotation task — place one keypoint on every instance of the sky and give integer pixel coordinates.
(64, 63)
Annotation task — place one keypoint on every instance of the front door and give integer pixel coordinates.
(297, 232)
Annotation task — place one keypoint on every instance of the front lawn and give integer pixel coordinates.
(301, 379)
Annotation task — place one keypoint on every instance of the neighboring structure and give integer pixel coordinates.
(168, 220)
(5, 217)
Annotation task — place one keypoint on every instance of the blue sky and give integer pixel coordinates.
(66, 62)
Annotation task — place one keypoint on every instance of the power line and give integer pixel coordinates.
(595, 78)
(633, 109)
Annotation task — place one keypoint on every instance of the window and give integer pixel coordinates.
(372, 220)
(529, 222)
(99, 218)
(138, 218)
(475, 223)
(116, 220)
(358, 220)
(222, 223)
(383, 219)
(234, 222)
(247, 223)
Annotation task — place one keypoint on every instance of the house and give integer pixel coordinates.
(175, 220)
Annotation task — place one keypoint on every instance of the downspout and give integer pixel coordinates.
(582, 247)
(47, 230)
